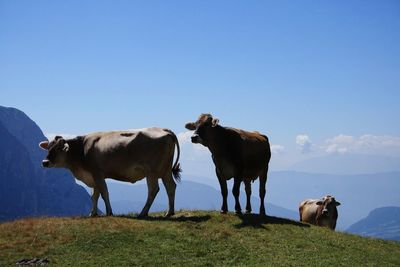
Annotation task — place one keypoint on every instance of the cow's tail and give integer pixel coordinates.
(176, 168)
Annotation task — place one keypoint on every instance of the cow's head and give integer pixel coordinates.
(57, 152)
(201, 128)
(328, 205)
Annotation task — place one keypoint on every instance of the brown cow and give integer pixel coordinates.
(236, 153)
(126, 156)
(321, 212)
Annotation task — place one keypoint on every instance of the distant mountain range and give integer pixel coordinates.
(359, 194)
(380, 223)
(349, 164)
(27, 189)
(126, 198)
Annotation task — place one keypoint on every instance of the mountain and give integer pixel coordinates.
(126, 198)
(380, 223)
(15, 174)
(344, 164)
(27, 189)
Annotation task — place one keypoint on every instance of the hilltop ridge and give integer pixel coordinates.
(195, 238)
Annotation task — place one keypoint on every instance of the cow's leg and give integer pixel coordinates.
(263, 181)
(300, 213)
(333, 225)
(95, 199)
(247, 185)
(152, 190)
(101, 185)
(236, 192)
(224, 192)
(170, 187)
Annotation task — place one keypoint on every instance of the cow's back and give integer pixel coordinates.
(253, 152)
(132, 152)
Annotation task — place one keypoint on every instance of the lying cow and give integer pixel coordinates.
(237, 154)
(126, 156)
(321, 212)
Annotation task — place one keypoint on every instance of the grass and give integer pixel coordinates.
(190, 238)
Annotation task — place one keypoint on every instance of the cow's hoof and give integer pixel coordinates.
(93, 214)
(223, 211)
(262, 214)
(169, 214)
(238, 212)
(248, 212)
(142, 215)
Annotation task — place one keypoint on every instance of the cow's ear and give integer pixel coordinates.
(44, 145)
(319, 203)
(190, 126)
(66, 147)
(337, 203)
(214, 122)
(57, 137)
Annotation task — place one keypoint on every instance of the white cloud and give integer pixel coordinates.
(303, 141)
(365, 144)
(340, 144)
(277, 149)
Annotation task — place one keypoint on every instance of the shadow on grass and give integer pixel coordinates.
(180, 218)
(257, 221)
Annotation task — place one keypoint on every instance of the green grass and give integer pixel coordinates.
(189, 238)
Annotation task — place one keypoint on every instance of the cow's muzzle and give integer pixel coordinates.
(324, 211)
(46, 163)
(196, 139)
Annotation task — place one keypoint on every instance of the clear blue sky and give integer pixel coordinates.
(321, 68)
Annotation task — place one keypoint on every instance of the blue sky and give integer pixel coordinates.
(327, 70)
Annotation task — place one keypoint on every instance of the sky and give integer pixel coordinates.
(320, 78)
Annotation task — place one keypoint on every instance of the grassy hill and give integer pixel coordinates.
(189, 238)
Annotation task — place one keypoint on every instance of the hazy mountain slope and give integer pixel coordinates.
(17, 195)
(43, 191)
(380, 223)
(349, 164)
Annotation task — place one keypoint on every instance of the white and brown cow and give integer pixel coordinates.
(321, 212)
(126, 156)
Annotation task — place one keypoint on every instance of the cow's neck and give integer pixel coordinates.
(75, 154)
(215, 142)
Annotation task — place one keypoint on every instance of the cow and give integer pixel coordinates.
(126, 156)
(321, 212)
(237, 154)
